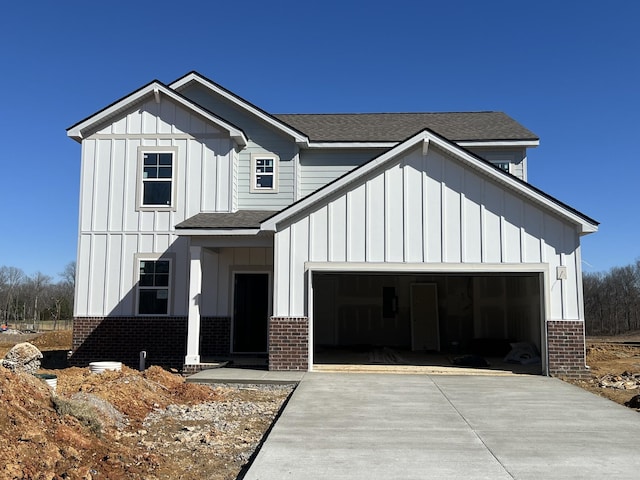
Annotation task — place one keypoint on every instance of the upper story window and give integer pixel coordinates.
(153, 287)
(502, 166)
(157, 178)
(264, 173)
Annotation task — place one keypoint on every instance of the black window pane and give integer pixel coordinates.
(150, 172)
(164, 172)
(147, 266)
(264, 181)
(153, 302)
(162, 280)
(165, 158)
(162, 266)
(146, 280)
(150, 159)
(157, 193)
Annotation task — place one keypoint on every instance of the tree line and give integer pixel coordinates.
(31, 299)
(612, 300)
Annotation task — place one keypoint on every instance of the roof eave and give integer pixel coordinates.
(300, 138)
(191, 232)
(155, 88)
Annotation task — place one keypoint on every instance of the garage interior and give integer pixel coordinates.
(444, 320)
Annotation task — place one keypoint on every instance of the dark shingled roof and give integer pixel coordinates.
(396, 127)
(240, 219)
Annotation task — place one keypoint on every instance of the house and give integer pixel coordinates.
(209, 228)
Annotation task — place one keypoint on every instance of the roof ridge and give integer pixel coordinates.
(392, 113)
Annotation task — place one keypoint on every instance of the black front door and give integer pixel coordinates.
(250, 312)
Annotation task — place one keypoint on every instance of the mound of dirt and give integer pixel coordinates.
(130, 425)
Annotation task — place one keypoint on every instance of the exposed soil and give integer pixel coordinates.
(128, 424)
(610, 359)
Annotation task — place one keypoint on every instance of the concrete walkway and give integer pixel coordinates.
(380, 426)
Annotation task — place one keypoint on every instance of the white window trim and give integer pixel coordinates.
(140, 179)
(141, 257)
(276, 163)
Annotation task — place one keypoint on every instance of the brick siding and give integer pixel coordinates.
(288, 343)
(566, 349)
(163, 338)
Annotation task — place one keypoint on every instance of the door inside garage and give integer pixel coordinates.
(460, 320)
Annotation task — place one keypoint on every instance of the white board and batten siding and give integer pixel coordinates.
(422, 210)
(113, 230)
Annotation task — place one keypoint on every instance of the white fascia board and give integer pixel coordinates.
(189, 232)
(352, 144)
(430, 139)
(300, 139)
(499, 143)
(154, 89)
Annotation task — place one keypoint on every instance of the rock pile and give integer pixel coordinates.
(624, 381)
(23, 357)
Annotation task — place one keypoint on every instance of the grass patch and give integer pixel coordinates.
(82, 411)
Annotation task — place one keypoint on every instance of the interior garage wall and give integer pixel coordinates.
(348, 309)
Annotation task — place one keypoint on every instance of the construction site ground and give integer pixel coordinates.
(154, 425)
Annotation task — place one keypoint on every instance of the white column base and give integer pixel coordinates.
(192, 360)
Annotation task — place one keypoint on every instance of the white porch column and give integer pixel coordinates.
(195, 289)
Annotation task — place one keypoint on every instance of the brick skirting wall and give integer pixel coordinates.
(566, 349)
(164, 339)
(215, 336)
(289, 343)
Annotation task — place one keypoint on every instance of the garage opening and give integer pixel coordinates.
(484, 321)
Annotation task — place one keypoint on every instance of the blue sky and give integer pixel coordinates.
(569, 71)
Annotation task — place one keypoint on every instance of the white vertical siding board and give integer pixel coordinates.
(492, 236)
(299, 255)
(98, 275)
(149, 122)
(471, 228)
(241, 256)
(433, 207)
(512, 222)
(114, 275)
(223, 172)
(101, 185)
(394, 222)
(118, 171)
(570, 285)
(319, 235)
(375, 222)
(553, 245)
(258, 256)
(338, 229)
(192, 183)
(282, 281)
(166, 117)
(532, 233)
(356, 228)
(129, 272)
(81, 300)
(119, 126)
(131, 216)
(451, 219)
(87, 190)
(412, 208)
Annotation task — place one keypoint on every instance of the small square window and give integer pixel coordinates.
(264, 173)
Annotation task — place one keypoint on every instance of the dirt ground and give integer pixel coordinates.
(153, 425)
(128, 424)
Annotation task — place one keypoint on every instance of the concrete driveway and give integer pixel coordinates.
(385, 426)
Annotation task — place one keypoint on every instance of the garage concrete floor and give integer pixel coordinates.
(370, 426)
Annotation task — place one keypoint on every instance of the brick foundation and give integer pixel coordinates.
(566, 349)
(215, 336)
(163, 338)
(289, 343)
